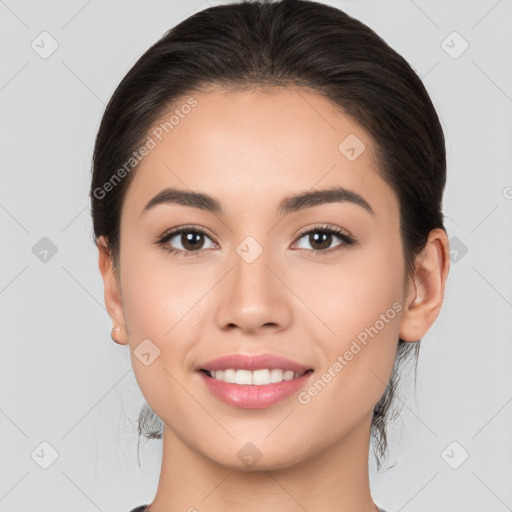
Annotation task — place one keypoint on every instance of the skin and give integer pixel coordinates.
(250, 150)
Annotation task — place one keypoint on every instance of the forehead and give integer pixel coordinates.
(258, 146)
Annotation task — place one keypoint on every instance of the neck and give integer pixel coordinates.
(334, 479)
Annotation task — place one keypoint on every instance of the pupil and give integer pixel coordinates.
(189, 240)
(321, 238)
(325, 236)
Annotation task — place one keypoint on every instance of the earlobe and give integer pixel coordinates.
(112, 291)
(425, 298)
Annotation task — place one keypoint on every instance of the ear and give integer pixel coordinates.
(426, 288)
(112, 290)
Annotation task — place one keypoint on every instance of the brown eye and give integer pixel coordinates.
(322, 237)
(189, 241)
(320, 240)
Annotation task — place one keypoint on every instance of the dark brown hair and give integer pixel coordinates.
(284, 43)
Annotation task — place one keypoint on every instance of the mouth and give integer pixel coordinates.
(253, 381)
(260, 377)
(254, 389)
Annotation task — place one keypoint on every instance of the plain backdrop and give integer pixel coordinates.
(68, 398)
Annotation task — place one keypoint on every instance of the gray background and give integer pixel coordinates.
(65, 383)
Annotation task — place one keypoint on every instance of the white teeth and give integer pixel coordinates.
(257, 377)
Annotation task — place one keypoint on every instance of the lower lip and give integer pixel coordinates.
(248, 396)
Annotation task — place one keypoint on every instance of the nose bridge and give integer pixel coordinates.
(252, 279)
(252, 296)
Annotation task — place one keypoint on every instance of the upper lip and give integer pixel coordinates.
(252, 362)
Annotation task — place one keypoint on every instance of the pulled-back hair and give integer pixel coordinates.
(261, 44)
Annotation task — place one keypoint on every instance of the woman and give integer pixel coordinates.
(266, 200)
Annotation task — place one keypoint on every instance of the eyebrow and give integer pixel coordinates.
(288, 205)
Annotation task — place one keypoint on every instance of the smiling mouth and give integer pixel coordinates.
(260, 377)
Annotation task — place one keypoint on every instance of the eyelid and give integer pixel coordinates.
(346, 237)
(163, 240)
(186, 227)
(323, 227)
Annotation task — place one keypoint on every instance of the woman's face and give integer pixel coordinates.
(266, 278)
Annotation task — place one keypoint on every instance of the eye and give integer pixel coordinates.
(191, 240)
(321, 237)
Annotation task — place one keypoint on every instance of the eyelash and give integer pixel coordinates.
(346, 239)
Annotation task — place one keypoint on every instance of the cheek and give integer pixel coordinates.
(357, 308)
(160, 304)
(350, 295)
(166, 303)
(156, 291)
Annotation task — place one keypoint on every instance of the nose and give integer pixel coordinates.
(254, 297)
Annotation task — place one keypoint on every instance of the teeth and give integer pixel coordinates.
(257, 377)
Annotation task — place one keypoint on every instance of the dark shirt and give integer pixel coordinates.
(142, 508)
